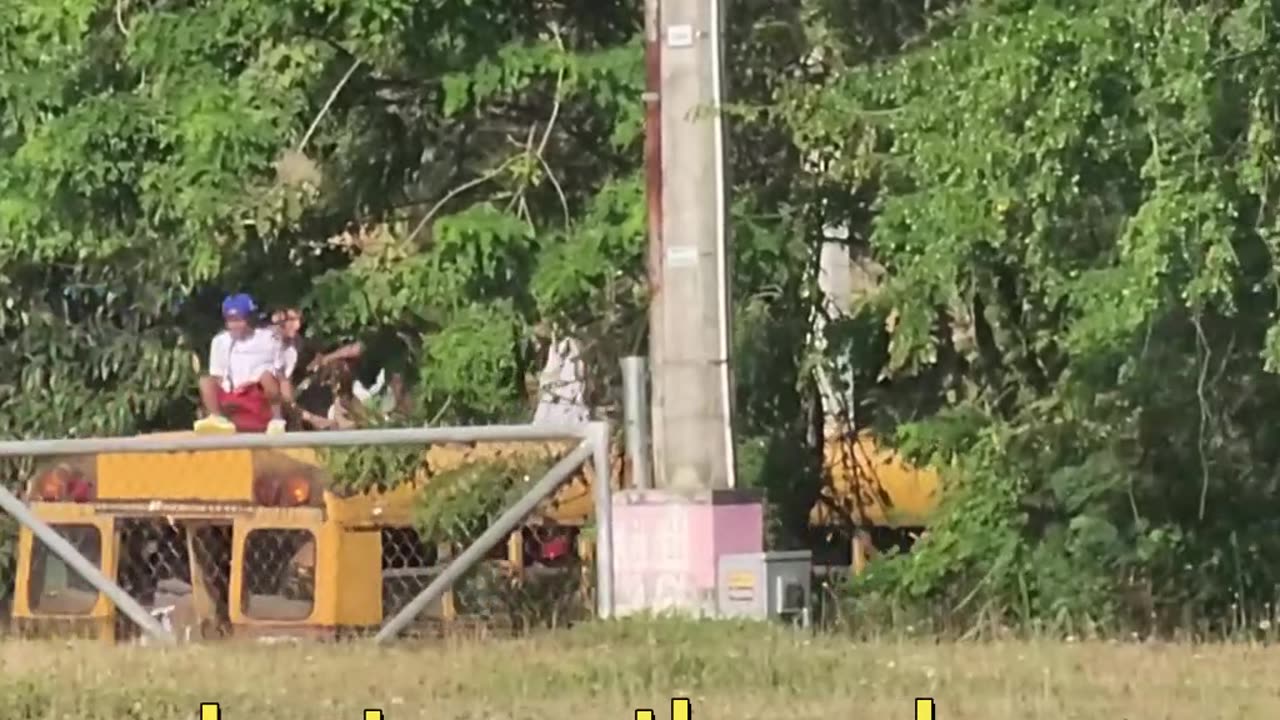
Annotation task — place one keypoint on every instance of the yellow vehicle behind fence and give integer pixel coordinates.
(251, 542)
(254, 542)
(871, 491)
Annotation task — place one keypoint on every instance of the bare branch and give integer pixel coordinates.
(333, 95)
(120, 18)
(454, 193)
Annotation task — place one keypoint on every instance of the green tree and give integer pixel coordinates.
(446, 173)
(1074, 205)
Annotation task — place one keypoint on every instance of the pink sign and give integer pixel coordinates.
(665, 549)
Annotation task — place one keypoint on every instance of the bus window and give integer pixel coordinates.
(155, 564)
(279, 575)
(56, 589)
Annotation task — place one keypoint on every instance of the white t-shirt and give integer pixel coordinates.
(244, 362)
(561, 386)
(290, 359)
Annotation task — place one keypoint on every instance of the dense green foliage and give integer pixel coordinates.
(157, 157)
(460, 503)
(1075, 207)
(1072, 203)
(444, 175)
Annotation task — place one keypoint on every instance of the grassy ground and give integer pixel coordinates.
(607, 671)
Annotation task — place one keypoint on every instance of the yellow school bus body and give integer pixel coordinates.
(866, 485)
(870, 490)
(343, 556)
(873, 486)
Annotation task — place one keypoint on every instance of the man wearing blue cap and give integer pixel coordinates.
(241, 391)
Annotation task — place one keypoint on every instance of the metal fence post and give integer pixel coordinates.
(475, 552)
(603, 490)
(80, 564)
(635, 412)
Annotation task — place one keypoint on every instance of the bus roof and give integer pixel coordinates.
(218, 478)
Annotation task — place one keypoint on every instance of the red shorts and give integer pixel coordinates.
(246, 407)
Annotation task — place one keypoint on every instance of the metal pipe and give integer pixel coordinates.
(500, 529)
(635, 411)
(603, 490)
(335, 438)
(80, 564)
(722, 242)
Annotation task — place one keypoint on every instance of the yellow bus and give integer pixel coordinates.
(873, 494)
(258, 542)
(254, 542)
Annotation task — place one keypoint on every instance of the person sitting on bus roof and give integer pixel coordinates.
(246, 364)
(379, 388)
(318, 378)
(325, 399)
(327, 394)
(300, 352)
(346, 410)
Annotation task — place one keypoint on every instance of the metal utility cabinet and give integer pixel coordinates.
(765, 585)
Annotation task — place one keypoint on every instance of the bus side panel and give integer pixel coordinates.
(22, 584)
(352, 574)
(212, 476)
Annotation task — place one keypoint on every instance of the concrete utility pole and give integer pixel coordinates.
(689, 320)
(668, 540)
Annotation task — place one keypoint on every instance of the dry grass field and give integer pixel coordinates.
(606, 671)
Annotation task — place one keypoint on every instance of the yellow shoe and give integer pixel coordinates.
(214, 425)
(275, 427)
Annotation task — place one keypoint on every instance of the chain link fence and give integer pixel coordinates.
(179, 570)
(519, 584)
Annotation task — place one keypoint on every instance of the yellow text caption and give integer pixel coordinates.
(212, 711)
(682, 709)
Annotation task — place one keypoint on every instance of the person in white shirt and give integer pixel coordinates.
(287, 323)
(242, 390)
(323, 375)
(562, 385)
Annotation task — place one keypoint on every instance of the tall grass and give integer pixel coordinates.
(607, 670)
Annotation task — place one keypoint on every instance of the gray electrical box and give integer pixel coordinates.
(765, 586)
